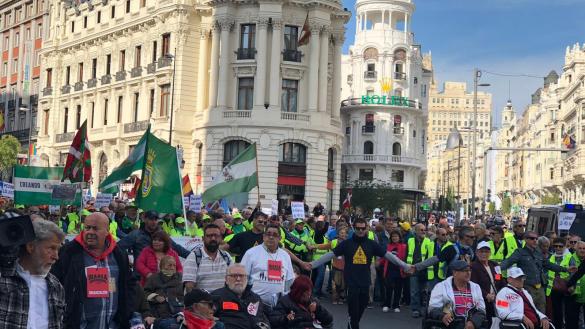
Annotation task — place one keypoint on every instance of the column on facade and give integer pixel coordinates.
(202, 70)
(336, 90)
(405, 28)
(314, 66)
(224, 62)
(323, 68)
(260, 81)
(275, 62)
(365, 20)
(214, 67)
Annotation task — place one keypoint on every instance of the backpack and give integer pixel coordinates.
(199, 255)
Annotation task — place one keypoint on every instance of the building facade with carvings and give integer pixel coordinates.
(114, 64)
(265, 87)
(23, 27)
(384, 100)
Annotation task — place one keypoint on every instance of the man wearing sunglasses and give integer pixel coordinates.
(358, 252)
(515, 240)
(556, 298)
(531, 261)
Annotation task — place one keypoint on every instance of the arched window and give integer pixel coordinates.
(396, 149)
(231, 149)
(368, 147)
(293, 153)
(371, 53)
(103, 169)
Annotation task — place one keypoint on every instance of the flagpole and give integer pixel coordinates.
(181, 184)
(257, 174)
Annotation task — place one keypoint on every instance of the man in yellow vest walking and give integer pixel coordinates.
(418, 248)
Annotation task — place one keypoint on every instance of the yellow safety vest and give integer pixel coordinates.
(318, 253)
(496, 255)
(114, 229)
(442, 265)
(427, 250)
(566, 263)
(552, 274)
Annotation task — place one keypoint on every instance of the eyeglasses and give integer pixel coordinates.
(208, 304)
(572, 242)
(559, 246)
(360, 228)
(531, 238)
(521, 225)
(238, 276)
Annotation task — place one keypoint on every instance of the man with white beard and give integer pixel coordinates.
(238, 307)
(33, 297)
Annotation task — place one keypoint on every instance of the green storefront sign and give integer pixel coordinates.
(385, 100)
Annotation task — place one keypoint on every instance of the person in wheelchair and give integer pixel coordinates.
(515, 305)
(456, 301)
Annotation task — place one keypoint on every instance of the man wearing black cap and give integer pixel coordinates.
(199, 309)
(457, 301)
(141, 238)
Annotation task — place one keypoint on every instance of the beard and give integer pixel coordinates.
(212, 246)
(237, 288)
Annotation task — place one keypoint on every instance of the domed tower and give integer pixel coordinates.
(384, 101)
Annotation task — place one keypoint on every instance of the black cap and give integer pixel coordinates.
(197, 296)
(459, 265)
(151, 214)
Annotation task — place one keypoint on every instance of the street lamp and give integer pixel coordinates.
(174, 59)
(454, 140)
(24, 109)
(476, 84)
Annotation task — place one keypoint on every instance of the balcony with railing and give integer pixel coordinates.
(106, 79)
(164, 62)
(136, 126)
(246, 53)
(65, 89)
(380, 159)
(91, 83)
(399, 76)
(21, 135)
(121, 75)
(136, 72)
(398, 130)
(151, 68)
(368, 129)
(370, 75)
(237, 114)
(294, 116)
(78, 86)
(47, 91)
(292, 55)
(376, 100)
(65, 137)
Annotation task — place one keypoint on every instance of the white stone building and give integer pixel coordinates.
(265, 88)
(112, 63)
(384, 101)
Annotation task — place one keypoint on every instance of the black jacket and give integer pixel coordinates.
(170, 288)
(303, 319)
(239, 313)
(70, 271)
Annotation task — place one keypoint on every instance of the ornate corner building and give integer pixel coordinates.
(384, 101)
(265, 87)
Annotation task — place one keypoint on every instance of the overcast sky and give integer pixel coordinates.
(503, 36)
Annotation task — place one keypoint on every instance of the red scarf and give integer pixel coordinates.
(110, 245)
(194, 322)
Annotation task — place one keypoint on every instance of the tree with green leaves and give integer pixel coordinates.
(369, 195)
(9, 147)
(551, 199)
(506, 205)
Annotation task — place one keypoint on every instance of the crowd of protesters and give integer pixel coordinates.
(123, 268)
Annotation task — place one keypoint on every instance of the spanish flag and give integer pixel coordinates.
(568, 141)
(187, 190)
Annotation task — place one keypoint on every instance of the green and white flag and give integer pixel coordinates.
(134, 162)
(240, 175)
(34, 185)
(161, 187)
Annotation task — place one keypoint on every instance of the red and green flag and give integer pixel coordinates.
(78, 165)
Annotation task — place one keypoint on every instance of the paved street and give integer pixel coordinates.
(373, 318)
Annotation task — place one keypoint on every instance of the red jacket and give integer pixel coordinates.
(399, 250)
(147, 263)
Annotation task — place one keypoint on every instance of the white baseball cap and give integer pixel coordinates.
(515, 272)
(483, 244)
